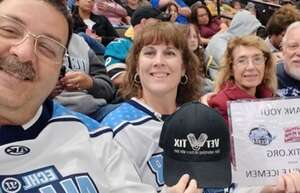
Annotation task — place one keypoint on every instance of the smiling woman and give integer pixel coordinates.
(161, 76)
(247, 72)
(155, 47)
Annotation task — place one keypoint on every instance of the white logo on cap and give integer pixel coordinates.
(197, 143)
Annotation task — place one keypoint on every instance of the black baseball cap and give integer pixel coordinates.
(148, 12)
(196, 141)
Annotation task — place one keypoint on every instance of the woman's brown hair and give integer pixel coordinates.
(162, 33)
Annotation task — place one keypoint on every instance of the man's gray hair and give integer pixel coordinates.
(294, 25)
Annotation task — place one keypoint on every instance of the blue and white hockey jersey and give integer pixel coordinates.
(136, 127)
(60, 151)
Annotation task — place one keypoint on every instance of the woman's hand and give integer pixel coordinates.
(77, 81)
(205, 98)
(102, 6)
(184, 186)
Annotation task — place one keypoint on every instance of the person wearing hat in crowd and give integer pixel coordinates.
(43, 146)
(117, 51)
(161, 75)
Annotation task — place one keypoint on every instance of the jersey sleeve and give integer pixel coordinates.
(119, 170)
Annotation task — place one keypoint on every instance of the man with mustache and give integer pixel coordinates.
(44, 147)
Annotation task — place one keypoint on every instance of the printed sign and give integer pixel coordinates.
(266, 139)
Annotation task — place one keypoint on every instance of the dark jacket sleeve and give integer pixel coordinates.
(104, 29)
(102, 85)
(78, 24)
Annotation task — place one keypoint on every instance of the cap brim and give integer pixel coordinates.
(212, 174)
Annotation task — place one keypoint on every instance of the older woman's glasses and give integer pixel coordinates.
(46, 49)
(245, 61)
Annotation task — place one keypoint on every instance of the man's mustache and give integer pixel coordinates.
(23, 70)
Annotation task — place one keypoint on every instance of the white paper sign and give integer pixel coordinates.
(266, 138)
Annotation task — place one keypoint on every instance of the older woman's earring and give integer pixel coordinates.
(184, 80)
(136, 78)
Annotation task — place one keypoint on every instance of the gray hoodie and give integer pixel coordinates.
(82, 58)
(243, 23)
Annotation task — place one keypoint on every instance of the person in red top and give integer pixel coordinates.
(248, 72)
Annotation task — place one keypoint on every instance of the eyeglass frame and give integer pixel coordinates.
(247, 60)
(26, 34)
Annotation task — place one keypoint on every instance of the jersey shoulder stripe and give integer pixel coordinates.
(124, 115)
(61, 113)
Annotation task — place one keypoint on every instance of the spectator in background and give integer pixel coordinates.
(117, 51)
(207, 24)
(194, 43)
(183, 10)
(288, 70)
(277, 26)
(85, 87)
(87, 24)
(172, 9)
(250, 6)
(113, 11)
(243, 23)
(132, 5)
(237, 5)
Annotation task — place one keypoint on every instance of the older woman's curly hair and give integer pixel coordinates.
(226, 69)
(169, 34)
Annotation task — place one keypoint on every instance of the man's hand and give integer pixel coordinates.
(289, 183)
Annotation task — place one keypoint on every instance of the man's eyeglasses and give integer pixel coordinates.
(256, 60)
(45, 48)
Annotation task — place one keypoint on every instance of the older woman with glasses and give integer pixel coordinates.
(247, 72)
